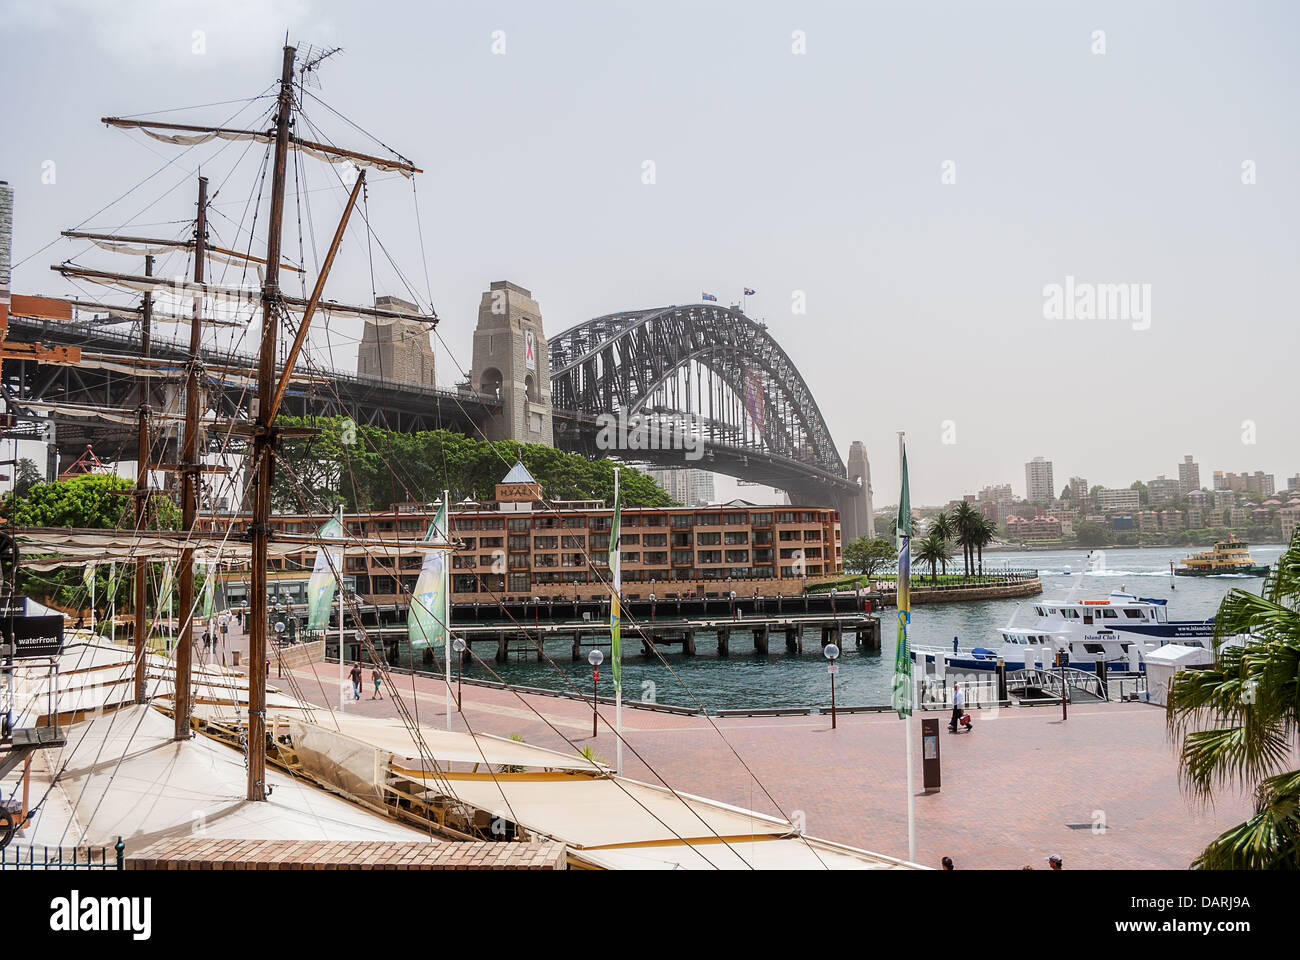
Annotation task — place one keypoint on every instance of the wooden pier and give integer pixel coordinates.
(735, 635)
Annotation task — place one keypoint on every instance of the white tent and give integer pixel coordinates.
(1164, 662)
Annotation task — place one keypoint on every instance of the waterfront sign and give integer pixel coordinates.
(33, 637)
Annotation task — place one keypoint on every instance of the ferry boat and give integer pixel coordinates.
(1229, 557)
(1119, 630)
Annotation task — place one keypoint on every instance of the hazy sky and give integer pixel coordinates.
(822, 172)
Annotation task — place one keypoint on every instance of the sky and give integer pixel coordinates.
(917, 175)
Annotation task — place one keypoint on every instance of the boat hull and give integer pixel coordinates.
(1260, 570)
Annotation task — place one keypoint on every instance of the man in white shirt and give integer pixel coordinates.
(958, 706)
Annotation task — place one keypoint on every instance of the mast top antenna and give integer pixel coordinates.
(312, 58)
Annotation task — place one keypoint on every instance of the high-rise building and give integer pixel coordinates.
(1189, 475)
(1038, 481)
(1114, 500)
(1293, 483)
(1078, 490)
(689, 487)
(1161, 490)
(996, 493)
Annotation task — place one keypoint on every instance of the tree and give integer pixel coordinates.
(968, 523)
(942, 525)
(382, 467)
(26, 477)
(1144, 496)
(866, 555)
(94, 501)
(1238, 721)
(1091, 534)
(987, 532)
(932, 550)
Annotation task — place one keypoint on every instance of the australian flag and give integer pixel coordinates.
(708, 296)
(749, 292)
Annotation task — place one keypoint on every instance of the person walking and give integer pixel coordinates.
(1054, 862)
(946, 863)
(958, 706)
(355, 674)
(374, 675)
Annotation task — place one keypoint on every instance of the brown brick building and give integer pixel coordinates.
(520, 546)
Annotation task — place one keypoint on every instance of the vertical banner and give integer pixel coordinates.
(615, 604)
(165, 587)
(426, 621)
(209, 589)
(902, 687)
(324, 579)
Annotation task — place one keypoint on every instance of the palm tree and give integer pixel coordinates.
(932, 549)
(988, 530)
(1246, 710)
(967, 520)
(942, 525)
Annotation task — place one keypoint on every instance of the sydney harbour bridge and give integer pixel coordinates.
(698, 385)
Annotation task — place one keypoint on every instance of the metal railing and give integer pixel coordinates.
(64, 858)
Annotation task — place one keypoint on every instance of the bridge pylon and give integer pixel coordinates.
(512, 362)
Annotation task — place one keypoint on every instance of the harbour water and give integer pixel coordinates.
(792, 680)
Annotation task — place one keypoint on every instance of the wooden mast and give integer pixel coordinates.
(142, 491)
(189, 485)
(264, 448)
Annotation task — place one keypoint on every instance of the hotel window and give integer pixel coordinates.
(600, 541)
(519, 583)
(494, 523)
(760, 519)
(546, 560)
(683, 557)
(682, 520)
(762, 536)
(737, 556)
(543, 543)
(382, 585)
(708, 539)
(518, 560)
(575, 523)
(708, 519)
(655, 540)
(518, 543)
(487, 543)
(518, 524)
(812, 534)
(627, 557)
(735, 538)
(710, 556)
(681, 540)
(573, 542)
(464, 583)
(573, 560)
(735, 519)
(655, 556)
(629, 539)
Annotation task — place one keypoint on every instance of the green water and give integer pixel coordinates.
(780, 679)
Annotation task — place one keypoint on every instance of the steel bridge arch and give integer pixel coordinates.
(633, 361)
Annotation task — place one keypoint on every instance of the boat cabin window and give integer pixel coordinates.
(1110, 614)
(1134, 614)
(1070, 614)
(1051, 610)
(1094, 648)
(1040, 611)
(1191, 643)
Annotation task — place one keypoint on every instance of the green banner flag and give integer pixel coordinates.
(324, 576)
(902, 685)
(426, 621)
(615, 605)
(88, 575)
(165, 588)
(209, 590)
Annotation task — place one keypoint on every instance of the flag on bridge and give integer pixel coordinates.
(902, 692)
(749, 292)
(708, 296)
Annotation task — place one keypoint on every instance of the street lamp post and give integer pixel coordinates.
(733, 603)
(652, 608)
(595, 658)
(459, 646)
(832, 653)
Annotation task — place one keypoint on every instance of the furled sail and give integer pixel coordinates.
(187, 135)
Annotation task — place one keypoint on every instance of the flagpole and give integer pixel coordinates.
(338, 574)
(92, 599)
(446, 592)
(618, 673)
(905, 576)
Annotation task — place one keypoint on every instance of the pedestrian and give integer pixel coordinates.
(954, 644)
(1054, 862)
(374, 675)
(946, 863)
(355, 674)
(958, 706)
(225, 628)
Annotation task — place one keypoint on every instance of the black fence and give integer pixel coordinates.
(64, 858)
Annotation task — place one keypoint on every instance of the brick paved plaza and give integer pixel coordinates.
(1022, 786)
